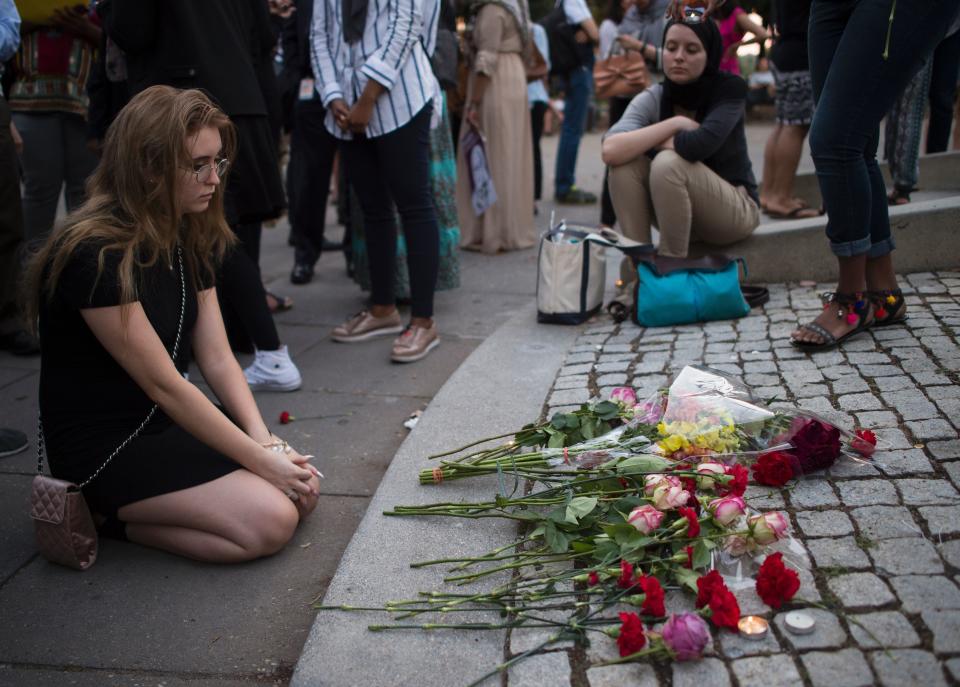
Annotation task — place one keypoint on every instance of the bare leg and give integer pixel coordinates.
(852, 280)
(880, 273)
(237, 517)
(786, 159)
(769, 165)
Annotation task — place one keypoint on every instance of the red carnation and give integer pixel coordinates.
(773, 469)
(707, 586)
(625, 581)
(593, 579)
(738, 484)
(653, 593)
(776, 583)
(631, 638)
(865, 443)
(725, 611)
(285, 418)
(693, 523)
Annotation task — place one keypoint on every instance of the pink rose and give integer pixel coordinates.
(668, 497)
(645, 518)
(652, 482)
(768, 527)
(727, 509)
(705, 474)
(625, 396)
(686, 635)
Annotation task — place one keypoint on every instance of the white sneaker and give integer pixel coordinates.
(273, 371)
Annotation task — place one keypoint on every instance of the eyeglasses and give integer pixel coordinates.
(203, 172)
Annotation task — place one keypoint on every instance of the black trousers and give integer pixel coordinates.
(312, 149)
(388, 169)
(243, 301)
(537, 111)
(943, 89)
(11, 225)
(607, 214)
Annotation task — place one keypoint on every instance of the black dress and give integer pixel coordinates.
(90, 405)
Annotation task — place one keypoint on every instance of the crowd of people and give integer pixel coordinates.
(162, 122)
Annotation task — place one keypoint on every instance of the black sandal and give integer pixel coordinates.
(852, 307)
(889, 307)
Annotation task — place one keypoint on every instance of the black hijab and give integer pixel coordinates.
(711, 87)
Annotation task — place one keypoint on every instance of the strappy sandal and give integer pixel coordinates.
(889, 307)
(851, 307)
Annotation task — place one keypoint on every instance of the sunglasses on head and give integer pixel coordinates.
(693, 15)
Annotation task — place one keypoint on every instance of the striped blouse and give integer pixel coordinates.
(398, 39)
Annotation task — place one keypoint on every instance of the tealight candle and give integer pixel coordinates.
(799, 623)
(753, 627)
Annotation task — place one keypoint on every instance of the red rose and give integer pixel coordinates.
(707, 585)
(725, 611)
(285, 418)
(593, 579)
(865, 443)
(653, 593)
(631, 638)
(625, 581)
(776, 583)
(737, 485)
(772, 469)
(816, 445)
(693, 523)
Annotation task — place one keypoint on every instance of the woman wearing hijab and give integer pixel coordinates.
(678, 156)
(499, 44)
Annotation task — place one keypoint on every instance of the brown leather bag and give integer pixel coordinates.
(62, 522)
(621, 76)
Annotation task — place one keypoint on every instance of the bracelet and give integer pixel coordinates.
(277, 445)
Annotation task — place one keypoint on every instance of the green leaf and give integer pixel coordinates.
(556, 440)
(686, 577)
(634, 543)
(606, 410)
(557, 515)
(556, 540)
(582, 546)
(586, 429)
(579, 507)
(606, 550)
(644, 464)
(701, 554)
(538, 532)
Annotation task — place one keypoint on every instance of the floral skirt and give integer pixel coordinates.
(443, 180)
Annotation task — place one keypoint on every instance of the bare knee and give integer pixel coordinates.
(269, 525)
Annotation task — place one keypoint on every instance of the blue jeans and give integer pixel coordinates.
(578, 92)
(854, 87)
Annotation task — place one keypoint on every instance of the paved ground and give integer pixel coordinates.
(884, 539)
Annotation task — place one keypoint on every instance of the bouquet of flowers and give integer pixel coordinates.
(623, 501)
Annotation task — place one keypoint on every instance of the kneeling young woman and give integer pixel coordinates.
(678, 156)
(122, 292)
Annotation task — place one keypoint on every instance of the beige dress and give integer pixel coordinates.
(505, 123)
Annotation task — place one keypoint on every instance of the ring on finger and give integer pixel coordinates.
(292, 495)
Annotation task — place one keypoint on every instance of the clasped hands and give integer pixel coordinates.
(290, 471)
(353, 119)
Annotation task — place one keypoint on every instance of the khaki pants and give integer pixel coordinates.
(686, 200)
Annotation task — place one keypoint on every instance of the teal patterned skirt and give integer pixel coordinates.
(443, 180)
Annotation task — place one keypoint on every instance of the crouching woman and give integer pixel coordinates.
(123, 291)
(678, 156)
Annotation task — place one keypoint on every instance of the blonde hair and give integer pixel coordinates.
(132, 201)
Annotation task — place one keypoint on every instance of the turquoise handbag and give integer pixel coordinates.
(672, 291)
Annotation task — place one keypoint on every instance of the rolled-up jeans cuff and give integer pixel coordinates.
(878, 250)
(849, 249)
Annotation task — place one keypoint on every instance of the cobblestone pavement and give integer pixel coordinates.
(883, 538)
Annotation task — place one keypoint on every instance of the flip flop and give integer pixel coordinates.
(281, 303)
(796, 213)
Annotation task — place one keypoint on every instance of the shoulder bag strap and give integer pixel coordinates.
(153, 410)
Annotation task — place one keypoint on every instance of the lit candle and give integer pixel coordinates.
(753, 627)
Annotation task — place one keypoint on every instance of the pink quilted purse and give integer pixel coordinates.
(61, 519)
